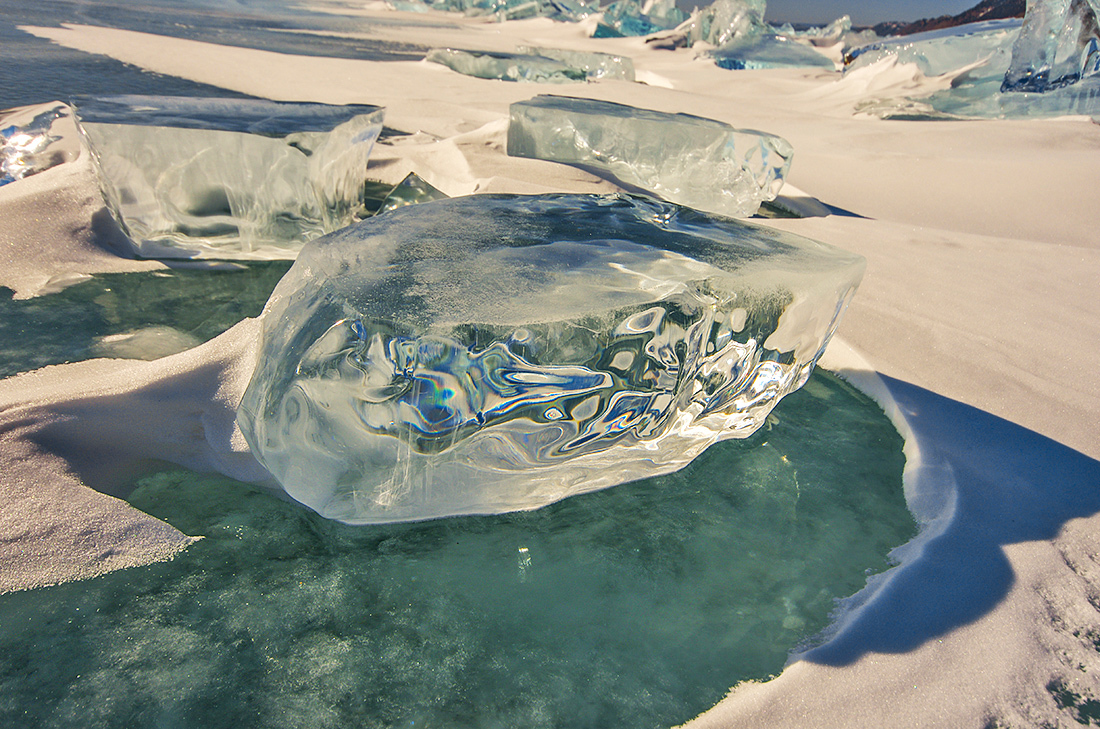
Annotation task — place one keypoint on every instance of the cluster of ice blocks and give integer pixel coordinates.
(228, 178)
(689, 160)
(1048, 65)
(496, 352)
(638, 17)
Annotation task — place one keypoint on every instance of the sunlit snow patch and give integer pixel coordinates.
(228, 178)
(495, 353)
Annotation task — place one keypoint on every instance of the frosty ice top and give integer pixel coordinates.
(495, 353)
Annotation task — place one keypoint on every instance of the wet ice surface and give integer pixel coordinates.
(635, 606)
(228, 178)
(73, 324)
(29, 143)
(494, 353)
(689, 160)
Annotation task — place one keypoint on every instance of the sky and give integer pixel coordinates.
(863, 12)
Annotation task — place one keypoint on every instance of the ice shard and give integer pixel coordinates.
(506, 66)
(228, 178)
(30, 141)
(501, 352)
(1059, 44)
(413, 190)
(595, 65)
(685, 159)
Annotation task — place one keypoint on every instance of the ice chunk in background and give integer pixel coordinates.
(501, 10)
(725, 21)
(1059, 44)
(685, 159)
(634, 18)
(228, 178)
(413, 190)
(937, 52)
(979, 54)
(30, 141)
(500, 352)
(506, 66)
(768, 51)
(594, 65)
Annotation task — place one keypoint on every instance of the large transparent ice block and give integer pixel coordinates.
(500, 352)
(635, 17)
(1059, 44)
(228, 178)
(685, 159)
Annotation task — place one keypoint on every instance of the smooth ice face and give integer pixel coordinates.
(506, 66)
(228, 178)
(938, 52)
(685, 159)
(500, 352)
(1059, 44)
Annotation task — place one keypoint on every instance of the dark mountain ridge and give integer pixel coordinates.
(985, 10)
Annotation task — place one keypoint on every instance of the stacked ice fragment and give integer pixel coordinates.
(496, 352)
(228, 178)
(685, 159)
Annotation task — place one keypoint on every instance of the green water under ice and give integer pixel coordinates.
(637, 606)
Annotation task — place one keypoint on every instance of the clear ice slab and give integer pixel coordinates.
(507, 66)
(495, 353)
(1059, 44)
(685, 159)
(228, 178)
(595, 65)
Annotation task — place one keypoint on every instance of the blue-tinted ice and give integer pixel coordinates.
(990, 60)
(1059, 45)
(228, 178)
(496, 353)
(768, 51)
(685, 159)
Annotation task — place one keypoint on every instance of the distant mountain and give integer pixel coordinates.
(985, 10)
